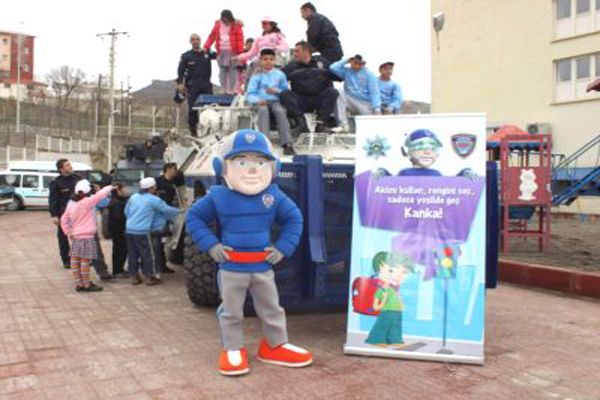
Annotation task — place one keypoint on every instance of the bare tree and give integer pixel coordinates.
(64, 81)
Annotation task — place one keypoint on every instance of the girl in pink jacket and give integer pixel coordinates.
(79, 224)
(272, 38)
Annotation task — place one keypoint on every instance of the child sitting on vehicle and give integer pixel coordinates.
(263, 92)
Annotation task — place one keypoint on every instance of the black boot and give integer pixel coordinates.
(288, 150)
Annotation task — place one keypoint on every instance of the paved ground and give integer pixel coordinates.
(152, 343)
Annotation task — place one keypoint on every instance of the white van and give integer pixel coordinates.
(31, 187)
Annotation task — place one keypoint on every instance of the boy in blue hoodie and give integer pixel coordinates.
(391, 92)
(361, 94)
(140, 211)
(263, 91)
(245, 209)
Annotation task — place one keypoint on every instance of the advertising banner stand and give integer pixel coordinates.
(417, 277)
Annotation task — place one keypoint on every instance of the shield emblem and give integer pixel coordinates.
(464, 144)
(268, 200)
(250, 137)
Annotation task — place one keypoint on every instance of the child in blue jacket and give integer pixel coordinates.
(263, 91)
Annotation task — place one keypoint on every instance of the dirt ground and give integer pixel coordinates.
(574, 243)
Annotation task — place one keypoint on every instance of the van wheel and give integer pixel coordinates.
(200, 275)
(15, 205)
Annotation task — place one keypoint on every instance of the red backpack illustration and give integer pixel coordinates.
(363, 294)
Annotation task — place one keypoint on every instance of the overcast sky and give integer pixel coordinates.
(65, 31)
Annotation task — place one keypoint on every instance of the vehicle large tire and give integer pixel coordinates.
(176, 256)
(16, 204)
(200, 275)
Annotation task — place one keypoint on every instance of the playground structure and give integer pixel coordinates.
(525, 181)
(533, 180)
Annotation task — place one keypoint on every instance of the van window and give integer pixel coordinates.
(46, 181)
(10, 180)
(31, 181)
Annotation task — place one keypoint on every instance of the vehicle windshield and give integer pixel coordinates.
(128, 175)
(134, 175)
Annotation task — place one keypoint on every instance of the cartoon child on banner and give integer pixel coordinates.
(422, 147)
(392, 270)
(245, 208)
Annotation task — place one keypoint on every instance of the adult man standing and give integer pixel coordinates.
(312, 89)
(361, 94)
(193, 77)
(391, 92)
(321, 33)
(61, 190)
(166, 190)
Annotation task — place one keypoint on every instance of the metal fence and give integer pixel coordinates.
(32, 149)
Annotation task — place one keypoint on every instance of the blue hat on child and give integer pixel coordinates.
(250, 141)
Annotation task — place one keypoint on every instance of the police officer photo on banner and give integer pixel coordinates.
(417, 281)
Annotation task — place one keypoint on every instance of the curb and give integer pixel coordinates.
(564, 280)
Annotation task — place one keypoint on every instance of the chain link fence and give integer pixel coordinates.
(79, 127)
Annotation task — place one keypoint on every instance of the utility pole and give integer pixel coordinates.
(18, 122)
(98, 109)
(128, 107)
(111, 92)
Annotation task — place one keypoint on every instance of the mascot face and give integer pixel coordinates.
(248, 173)
(423, 153)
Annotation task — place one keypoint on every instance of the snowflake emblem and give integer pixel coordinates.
(376, 147)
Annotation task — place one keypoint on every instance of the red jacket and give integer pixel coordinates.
(236, 37)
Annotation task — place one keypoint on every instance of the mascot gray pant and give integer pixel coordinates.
(233, 287)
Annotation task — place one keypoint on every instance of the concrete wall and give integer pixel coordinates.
(498, 57)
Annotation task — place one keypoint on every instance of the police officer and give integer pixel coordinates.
(193, 77)
(166, 190)
(312, 89)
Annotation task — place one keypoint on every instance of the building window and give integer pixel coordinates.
(576, 17)
(26, 50)
(25, 67)
(583, 6)
(583, 67)
(564, 70)
(5, 56)
(563, 9)
(574, 74)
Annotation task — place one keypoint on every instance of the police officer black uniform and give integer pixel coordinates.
(167, 191)
(312, 89)
(194, 74)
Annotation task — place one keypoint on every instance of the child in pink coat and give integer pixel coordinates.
(79, 224)
(272, 38)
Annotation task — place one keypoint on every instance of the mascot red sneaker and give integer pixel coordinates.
(245, 207)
